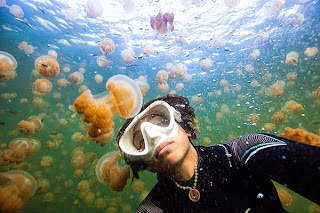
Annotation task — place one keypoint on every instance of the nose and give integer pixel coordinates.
(149, 132)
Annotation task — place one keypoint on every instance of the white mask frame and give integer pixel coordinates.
(153, 134)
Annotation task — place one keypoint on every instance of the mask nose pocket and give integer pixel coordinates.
(150, 133)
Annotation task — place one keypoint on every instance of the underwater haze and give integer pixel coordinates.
(246, 66)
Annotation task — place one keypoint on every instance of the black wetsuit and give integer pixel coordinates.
(235, 176)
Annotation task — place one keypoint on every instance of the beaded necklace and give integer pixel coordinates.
(194, 194)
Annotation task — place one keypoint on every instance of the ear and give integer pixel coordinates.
(188, 134)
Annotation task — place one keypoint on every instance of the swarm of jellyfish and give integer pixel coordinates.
(124, 98)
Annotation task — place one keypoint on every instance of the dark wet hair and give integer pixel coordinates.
(189, 124)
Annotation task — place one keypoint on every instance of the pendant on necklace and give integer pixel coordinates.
(194, 195)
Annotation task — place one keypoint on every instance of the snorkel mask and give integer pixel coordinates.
(157, 123)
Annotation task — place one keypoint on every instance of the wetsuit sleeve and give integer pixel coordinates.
(292, 164)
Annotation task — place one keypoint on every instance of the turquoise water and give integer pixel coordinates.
(225, 35)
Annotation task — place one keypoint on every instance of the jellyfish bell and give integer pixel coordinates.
(23, 45)
(107, 46)
(8, 64)
(66, 68)
(41, 87)
(16, 10)
(292, 58)
(53, 54)
(29, 49)
(143, 85)
(128, 105)
(71, 15)
(163, 87)
(102, 61)
(148, 49)
(127, 55)
(3, 3)
(23, 181)
(47, 66)
(93, 8)
(98, 78)
(162, 77)
(162, 23)
(76, 78)
(111, 173)
(206, 64)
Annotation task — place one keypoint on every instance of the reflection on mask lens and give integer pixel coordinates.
(156, 119)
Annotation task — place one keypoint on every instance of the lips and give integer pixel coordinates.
(161, 149)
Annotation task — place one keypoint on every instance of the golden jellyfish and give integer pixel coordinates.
(311, 51)
(180, 70)
(41, 87)
(83, 88)
(107, 46)
(8, 95)
(318, 92)
(218, 92)
(237, 87)
(46, 161)
(249, 68)
(162, 77)
(71, 15)
(29, 49)
(206, 141)
(143, 85)
(98, 78)
(285, 197)
(292, 58)
(100, 203)
(16, 188)
(301, 136)
(231, 3)
(56, 95)
(138, 186)
(206, 64)
(148, 49)
(124, 98)
(29, 127)
(223, 83)
(268, 127)
(102, 61)
(78, 173)
(225, 109)
(295, 20)
(219, 116)
(254, 118)
(291, 76)
(88, 197)
(127, 56)
(22, 45)
(24, 101)
(83, 186)
(111, 173)
(47, 66)
(196, 99)
(16, 10)
(3, 3)
(62, 82)
(79, 160)
(254, 54)
(53, 54)
(179, 86)
(292, 106)
(77, 137)
(82, 70)
(254, 83)
(8, 64)
(162, 23)
(93, 8)
(163, 87)
(43, 185)
(76, 78)
(278, 117)
(48, 197)
(66, 68)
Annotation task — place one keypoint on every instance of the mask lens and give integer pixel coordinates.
(154, 118)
